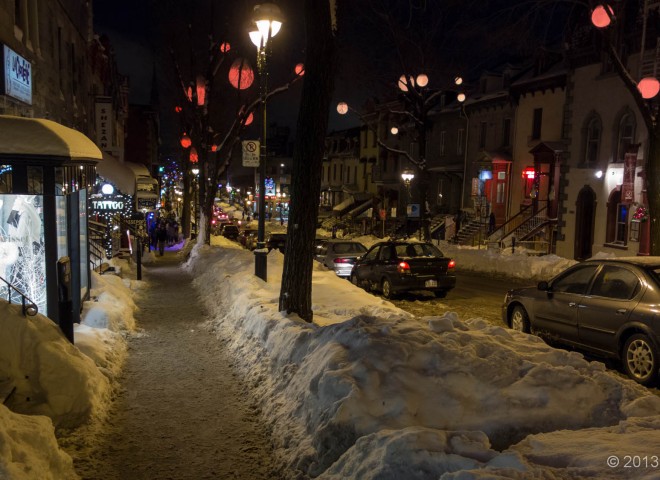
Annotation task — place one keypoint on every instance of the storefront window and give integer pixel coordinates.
(22, 253)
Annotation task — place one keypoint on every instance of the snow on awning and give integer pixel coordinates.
(117, 173)
(38, 137)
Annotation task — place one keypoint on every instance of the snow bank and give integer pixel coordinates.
(52, 377)
(28, 449)
(370, 382)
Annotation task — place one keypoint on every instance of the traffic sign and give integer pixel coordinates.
(251, 152)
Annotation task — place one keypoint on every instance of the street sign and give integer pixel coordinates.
(251, 152)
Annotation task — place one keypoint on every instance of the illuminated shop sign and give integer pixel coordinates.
(17, 76)
(111, 204)
(270, 186)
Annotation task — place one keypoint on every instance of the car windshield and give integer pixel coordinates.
(349, 248)
(412, 250)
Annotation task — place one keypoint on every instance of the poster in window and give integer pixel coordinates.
(628, 186)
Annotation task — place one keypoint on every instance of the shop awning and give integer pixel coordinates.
(38, 137)
(118, 173)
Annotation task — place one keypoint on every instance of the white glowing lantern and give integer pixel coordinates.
(460, 97)
(394, 130)
(422, 80)
(342, 108)
(458, 80)
(648, 87)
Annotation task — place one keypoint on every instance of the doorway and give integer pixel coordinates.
(585, 214)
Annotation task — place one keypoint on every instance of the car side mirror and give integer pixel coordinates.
(543, 286)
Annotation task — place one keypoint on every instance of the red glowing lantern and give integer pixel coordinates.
(600, 17)
(241, 75)
(185, 140)
(300, 69)
(193, 155)
(189, 94)
(249, 119)
(178, 109)
(648, 87)
(214, 148)
(201, 90)
(225, 47)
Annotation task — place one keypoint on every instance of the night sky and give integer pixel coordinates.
(377, 40)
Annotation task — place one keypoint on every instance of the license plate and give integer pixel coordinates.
(431, 283)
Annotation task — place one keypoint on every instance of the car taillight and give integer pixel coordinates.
(403, 267)
(451, 263)
(343, 260)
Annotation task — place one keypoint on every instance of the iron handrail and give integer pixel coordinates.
(30, 308)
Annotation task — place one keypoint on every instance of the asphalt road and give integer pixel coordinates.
(475, 295)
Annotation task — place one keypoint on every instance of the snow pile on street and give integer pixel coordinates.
(367, 391)
(58, 384)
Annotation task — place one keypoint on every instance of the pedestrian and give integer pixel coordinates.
(491, 223)
(162, 238)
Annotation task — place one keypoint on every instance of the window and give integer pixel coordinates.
(355, 174)
(348, 174)
(617, 219)
(482, 134)
(621, 223)
(442, 142)
(500, 192)
(592, 141)
(460, 141)
(506, 132)
(616, 282)
(334, 172)
(626, 136)
(536, 123)
(575, 281)
(371, 254)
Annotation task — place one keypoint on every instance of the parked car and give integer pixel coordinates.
(393, 267)
(607, 307)
(339, 255)
(230, 231)
(244, 235)
(276, 241)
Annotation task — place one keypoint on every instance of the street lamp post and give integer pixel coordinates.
(407, 176)
(267, 18)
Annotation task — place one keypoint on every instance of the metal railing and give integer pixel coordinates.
(29, 307)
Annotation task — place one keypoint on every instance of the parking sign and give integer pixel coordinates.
(250, 153)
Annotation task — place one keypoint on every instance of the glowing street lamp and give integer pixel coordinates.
(268, 20)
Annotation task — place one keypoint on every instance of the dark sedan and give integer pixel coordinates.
(607, 307)
(399, 266)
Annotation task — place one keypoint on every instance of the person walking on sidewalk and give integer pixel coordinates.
(161, 234)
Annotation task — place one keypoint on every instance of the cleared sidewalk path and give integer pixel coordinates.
(181, 413)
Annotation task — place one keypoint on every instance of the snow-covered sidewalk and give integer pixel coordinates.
(181, 412)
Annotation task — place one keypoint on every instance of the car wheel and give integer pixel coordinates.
(640, 360)
(386, 288)
(440, 293)
(519, 320)
(354, 280)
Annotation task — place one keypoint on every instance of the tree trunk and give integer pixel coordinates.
(185, 214)
(653, 186)
(296, 289)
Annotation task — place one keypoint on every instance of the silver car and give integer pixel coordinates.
(608, 307)
(339, 255)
